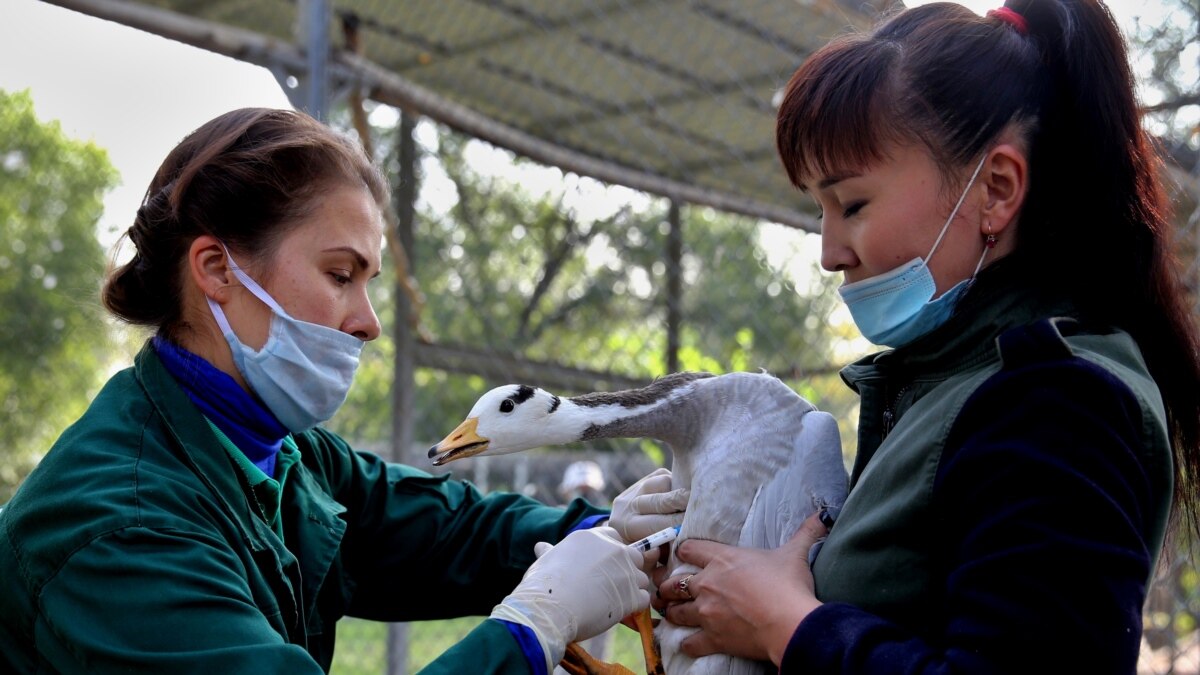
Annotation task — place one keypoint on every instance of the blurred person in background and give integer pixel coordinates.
(583, 480)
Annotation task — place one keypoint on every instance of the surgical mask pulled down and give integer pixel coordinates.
(895, 308)
(304, 370)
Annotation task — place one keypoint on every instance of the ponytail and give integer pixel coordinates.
(1096, 219)
(1094, 224)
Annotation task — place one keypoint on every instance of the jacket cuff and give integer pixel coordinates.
(819, 642)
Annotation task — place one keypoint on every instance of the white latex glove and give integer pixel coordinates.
(577, 590)
(648, 506)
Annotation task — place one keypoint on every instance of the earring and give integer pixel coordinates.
(990, 242)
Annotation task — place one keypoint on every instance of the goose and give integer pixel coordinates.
(757, 457)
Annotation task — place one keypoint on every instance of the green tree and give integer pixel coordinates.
(53, 336)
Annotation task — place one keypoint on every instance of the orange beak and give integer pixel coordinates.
(460, 443)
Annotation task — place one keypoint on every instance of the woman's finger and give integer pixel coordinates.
(683, 613)
(699, 552)
(679, 588)
(810, 532)
(698, 644)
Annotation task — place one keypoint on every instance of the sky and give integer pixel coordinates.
(132, 93)
(137, 95)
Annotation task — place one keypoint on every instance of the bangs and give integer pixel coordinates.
(834, 115)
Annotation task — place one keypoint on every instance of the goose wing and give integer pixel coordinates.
(814, 478)
(764, 461)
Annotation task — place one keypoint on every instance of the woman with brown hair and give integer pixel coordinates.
(198, 519)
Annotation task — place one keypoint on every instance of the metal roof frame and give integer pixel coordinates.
(580, 86)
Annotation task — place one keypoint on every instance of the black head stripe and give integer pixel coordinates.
(524, 393)
(554, 401)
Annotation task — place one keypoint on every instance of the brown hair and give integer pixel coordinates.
(245, 178)
(1094, 223)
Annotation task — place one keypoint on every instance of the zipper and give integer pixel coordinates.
(889, 415)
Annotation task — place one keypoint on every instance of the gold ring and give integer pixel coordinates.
(683, 586)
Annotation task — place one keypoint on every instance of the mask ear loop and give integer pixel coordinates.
(961, 199)
(252, 285)
(988, 244)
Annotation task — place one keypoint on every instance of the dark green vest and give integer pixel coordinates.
(880, 554)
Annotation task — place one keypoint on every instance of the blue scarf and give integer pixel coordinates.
(237, 413)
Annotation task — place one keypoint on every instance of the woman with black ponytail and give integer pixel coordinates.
(1032, 436)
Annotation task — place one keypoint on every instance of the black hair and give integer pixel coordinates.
(1094, 224)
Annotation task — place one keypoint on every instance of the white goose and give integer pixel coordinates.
(758, 458)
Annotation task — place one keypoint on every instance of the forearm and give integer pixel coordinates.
(468, 549)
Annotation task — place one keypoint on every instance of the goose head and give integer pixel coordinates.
(510, 418)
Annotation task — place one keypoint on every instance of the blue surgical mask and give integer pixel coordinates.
(894, 308)
(303, 371)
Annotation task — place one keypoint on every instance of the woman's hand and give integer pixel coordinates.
(577, 589)
(746, 602)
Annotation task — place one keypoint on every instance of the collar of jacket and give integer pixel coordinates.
(197, 445)
(891, 381)
(1003, 297)
(318, 533)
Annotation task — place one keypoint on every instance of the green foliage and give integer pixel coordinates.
(52, 335)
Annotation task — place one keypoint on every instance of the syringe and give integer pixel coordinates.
(657, 539)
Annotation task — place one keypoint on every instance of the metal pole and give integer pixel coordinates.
(403, 381)
(317, 38)
(674, 285)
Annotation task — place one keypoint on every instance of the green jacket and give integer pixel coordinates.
(136, 546)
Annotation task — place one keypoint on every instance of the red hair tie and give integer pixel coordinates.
(1010, 17)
